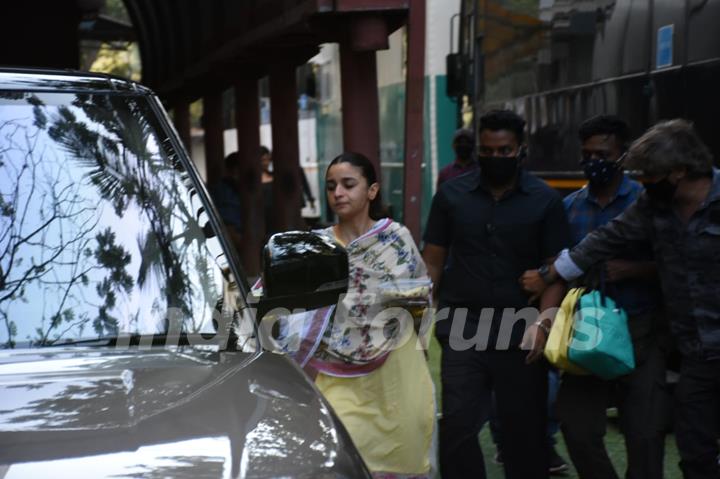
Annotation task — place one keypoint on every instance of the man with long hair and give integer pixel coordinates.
(679, 214)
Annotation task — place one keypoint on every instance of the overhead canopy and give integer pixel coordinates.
(106, 29)
(193, 49)
(190, 46)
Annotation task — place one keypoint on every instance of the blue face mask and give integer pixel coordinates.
(599, 172)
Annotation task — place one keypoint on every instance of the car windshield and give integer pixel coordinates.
(102, 232)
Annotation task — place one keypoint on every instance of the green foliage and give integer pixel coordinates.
(122, 62)
(116, 10)
(120, 59)
(115, 259)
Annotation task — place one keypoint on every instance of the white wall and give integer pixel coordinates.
(391, 62)
(197, 152)
(439, 13)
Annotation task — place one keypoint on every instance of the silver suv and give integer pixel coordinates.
(119, 298)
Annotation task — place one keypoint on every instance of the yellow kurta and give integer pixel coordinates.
(389, 413)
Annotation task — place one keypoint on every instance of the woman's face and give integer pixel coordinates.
(348, 191)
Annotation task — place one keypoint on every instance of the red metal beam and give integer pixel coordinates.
(369, 32)
(325, 6)
(414, 114)
(247, 119)
(181, 117)
(370, 5)
(213, 125)
(360, 103)
(286, 150)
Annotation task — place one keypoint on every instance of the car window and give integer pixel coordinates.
(102, 232)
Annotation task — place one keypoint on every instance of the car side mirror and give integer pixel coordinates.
(302, 270)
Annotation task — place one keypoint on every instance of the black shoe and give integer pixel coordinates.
(558, 466)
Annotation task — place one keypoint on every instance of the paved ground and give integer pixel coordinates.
(613, 440)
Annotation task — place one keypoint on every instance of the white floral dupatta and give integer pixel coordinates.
(356, 336)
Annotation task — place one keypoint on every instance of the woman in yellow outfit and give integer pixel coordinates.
(370, 364)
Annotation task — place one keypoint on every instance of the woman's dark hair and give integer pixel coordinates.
(496, 120)
(368, 171)
(264, 150)
(609, 125)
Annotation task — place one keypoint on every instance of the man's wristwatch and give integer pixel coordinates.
(544, 272)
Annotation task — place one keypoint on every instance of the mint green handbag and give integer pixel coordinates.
(601, 342)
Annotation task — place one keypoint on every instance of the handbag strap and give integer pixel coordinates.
(603, 279)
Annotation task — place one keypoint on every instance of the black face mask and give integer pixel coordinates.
(499, 170)
(662, 192)
(599, 172)
(464, 152)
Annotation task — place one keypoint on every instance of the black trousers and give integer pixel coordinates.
(468, 379)
(697, 415)
(642, 399)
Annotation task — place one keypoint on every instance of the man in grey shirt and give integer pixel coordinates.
(679, 213)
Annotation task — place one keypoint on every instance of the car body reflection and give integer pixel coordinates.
(164, 413)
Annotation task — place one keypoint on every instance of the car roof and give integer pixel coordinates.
(42, 79)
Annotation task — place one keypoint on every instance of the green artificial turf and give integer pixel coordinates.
(613, 440)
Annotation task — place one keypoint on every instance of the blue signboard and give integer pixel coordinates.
(664, 56)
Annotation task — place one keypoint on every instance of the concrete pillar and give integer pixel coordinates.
(214, 144)
(360, 104)
(286, 150)
(247, 119)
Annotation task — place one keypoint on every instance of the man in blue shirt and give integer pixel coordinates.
(632, 282)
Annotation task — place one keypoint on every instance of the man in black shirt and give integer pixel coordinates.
(484, 229)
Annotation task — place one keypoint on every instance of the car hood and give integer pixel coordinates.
(181, 412)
